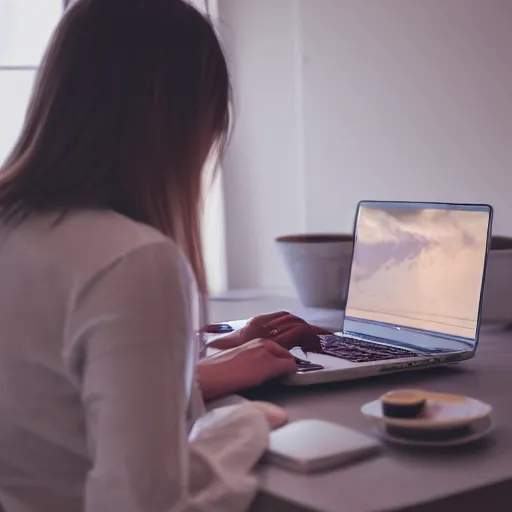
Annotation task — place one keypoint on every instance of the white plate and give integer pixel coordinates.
(481, 429)
(442, 411)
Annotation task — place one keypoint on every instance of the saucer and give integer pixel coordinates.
(476, 431)
(441, 412)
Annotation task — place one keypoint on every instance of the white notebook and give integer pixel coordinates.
(315, 445)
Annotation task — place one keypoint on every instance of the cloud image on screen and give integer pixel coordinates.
(419, 268)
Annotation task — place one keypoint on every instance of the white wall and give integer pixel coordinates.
(262, 169)
(340, 100)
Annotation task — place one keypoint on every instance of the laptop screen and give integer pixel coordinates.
(417, 273)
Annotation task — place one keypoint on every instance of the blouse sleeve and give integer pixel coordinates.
(130, 339)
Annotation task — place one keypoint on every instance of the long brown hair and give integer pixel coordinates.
(131, 98)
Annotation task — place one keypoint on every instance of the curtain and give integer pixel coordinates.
(214, 242)
(214, 236)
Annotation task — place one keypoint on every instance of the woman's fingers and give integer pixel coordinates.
(265, 360)
(224, 343)
(277, 350)
(269, 317)
(319, 330)
(290, 331)
(285, 365)
(284, 321)
(276, 416)
(299, 336)
(293, 331)
(281, 360)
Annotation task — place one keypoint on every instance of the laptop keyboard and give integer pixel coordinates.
(359, 351)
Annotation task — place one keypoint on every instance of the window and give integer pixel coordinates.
(25, 29)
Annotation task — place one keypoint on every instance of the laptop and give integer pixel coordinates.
(415, 292)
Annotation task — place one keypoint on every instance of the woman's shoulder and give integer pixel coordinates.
(111, 228)
(84, 242)
(106, 236)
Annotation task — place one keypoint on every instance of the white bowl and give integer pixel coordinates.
(319, 265)
(497, 305)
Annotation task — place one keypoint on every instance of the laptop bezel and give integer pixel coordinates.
(351, 327)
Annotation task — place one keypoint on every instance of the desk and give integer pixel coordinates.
(466, 479)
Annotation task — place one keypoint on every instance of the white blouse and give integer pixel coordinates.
(98, 318)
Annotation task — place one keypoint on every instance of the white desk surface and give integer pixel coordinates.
(399, 479)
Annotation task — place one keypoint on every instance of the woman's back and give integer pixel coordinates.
(45, 269)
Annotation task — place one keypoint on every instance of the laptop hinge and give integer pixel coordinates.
(382, 341)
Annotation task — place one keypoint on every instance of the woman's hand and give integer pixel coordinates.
(248, 365)
(284, 328)
(276, 416)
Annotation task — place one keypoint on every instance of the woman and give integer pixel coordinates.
(99, 260)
